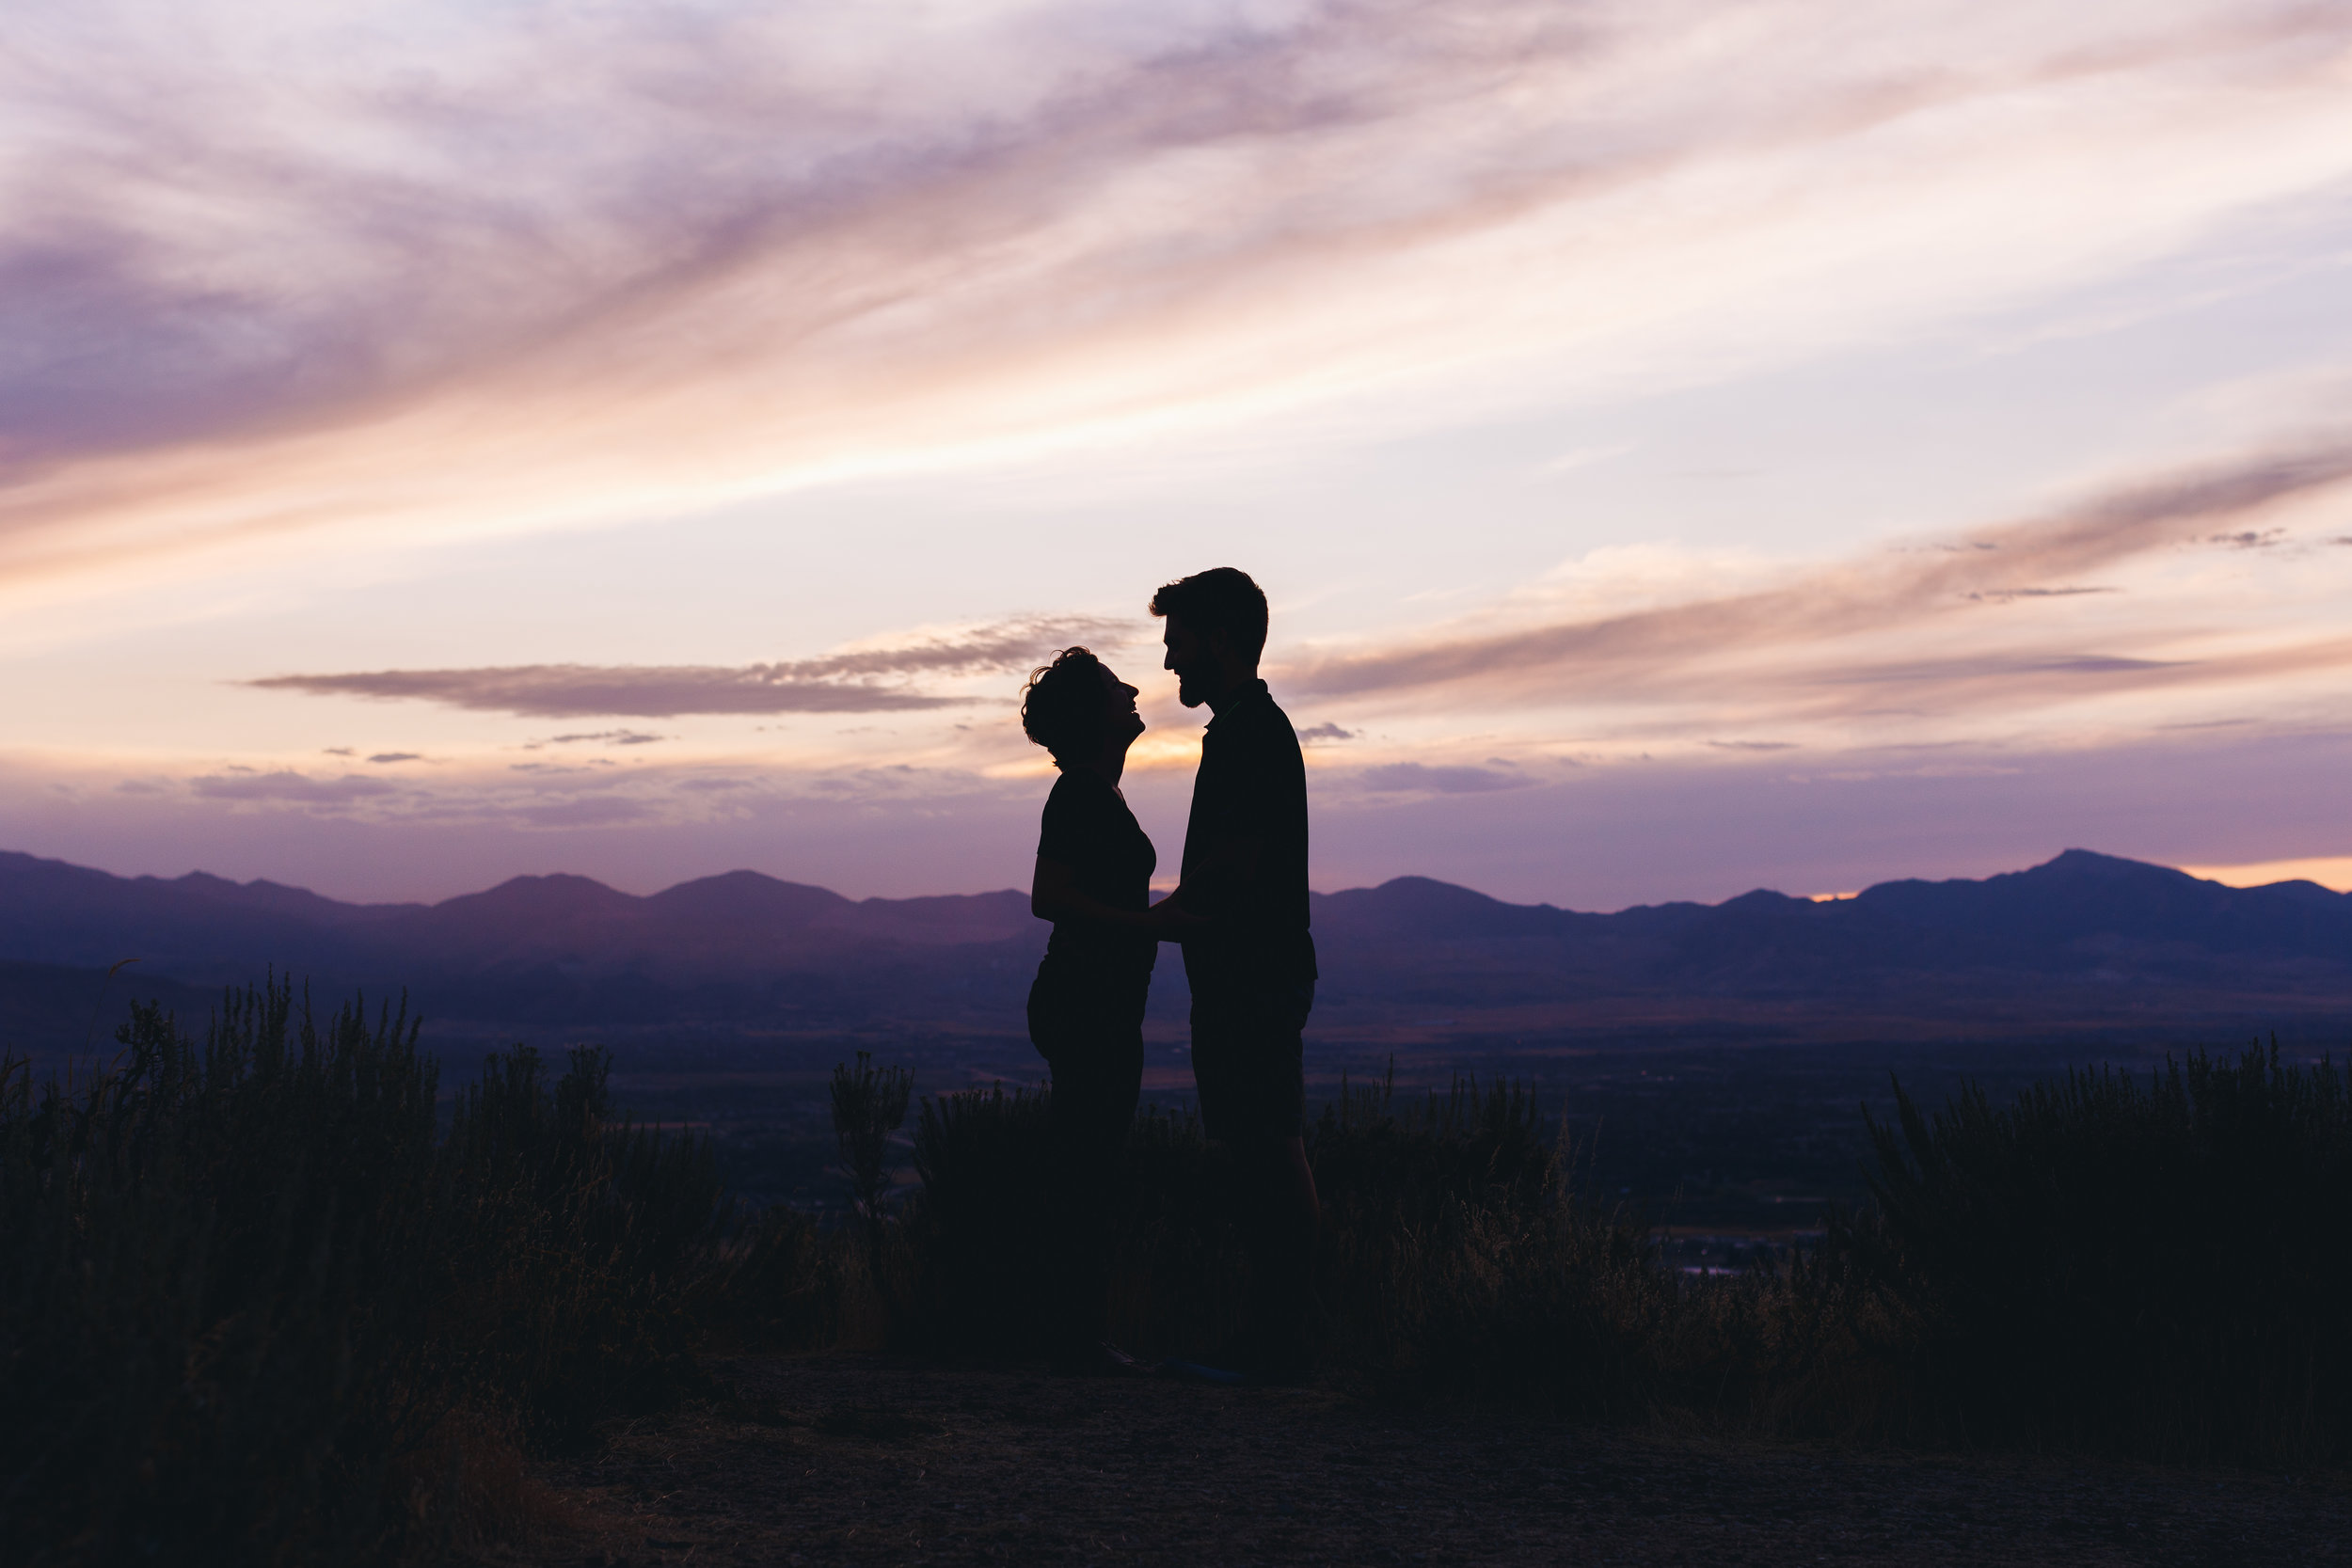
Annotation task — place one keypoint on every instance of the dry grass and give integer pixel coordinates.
(469, 1485)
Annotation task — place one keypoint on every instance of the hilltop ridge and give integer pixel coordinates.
(2083, 932)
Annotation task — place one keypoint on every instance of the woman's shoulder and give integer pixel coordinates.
(1078, 797)
(1073, 788)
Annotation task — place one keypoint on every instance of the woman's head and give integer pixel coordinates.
(1076, 708)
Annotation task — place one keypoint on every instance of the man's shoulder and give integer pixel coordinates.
(1262, 717)
(1273, 737)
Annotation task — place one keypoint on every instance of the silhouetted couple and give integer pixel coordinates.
(1240, 912)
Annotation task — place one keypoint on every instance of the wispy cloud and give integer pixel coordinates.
(2005, 595)
(538, 798)
(597, 737)
(593, 812)
(286, 786)
(589, 692)
(254, 279)
(1408, 777)
(1807, 645)
(844, 682)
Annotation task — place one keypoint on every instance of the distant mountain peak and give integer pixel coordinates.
(2091, 863)
(1430, 887)
(1761, 898)
(747, 895)
(556, 894)
(553, 881)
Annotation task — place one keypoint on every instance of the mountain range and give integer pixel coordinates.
(2082, 941)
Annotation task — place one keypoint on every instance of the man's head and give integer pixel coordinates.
(1216, 631)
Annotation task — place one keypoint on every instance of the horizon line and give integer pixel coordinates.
(2330, 873)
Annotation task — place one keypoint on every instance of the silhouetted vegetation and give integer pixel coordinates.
(870, 1104)
(2157, 1266)
(252, 1308)
(2153, 1267)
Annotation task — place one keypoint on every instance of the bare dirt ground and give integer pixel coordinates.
(857, 1460)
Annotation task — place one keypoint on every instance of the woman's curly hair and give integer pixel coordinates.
(1062, 706)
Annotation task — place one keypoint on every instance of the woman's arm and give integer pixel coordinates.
(1055, 895)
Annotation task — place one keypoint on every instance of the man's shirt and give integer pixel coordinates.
(1252, 786)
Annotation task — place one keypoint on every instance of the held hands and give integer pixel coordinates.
(1055, 896)
(1170, 921)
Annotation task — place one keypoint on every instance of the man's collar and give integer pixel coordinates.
(1254, 693)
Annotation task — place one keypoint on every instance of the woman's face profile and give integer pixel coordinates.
(1125, 722)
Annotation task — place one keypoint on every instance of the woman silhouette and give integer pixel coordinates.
(1094, 866)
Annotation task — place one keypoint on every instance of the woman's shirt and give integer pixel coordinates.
(1088, 829)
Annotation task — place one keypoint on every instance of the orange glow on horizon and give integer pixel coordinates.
(2328, 871)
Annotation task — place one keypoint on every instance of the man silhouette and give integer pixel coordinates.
(1253, 967)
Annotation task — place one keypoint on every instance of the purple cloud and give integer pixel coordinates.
(585, 811)
(287, 786)
(1406, 777)
(2003, 595)
(590, 692)
(832, 683)
(609, 737)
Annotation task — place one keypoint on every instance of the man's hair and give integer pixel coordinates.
(1063, 705)
(1220, 599)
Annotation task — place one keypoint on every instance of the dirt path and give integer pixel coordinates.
(838, 1459)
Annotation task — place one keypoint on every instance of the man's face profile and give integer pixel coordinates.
(1189, 657)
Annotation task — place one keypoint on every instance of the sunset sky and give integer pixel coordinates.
(1688, 447)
